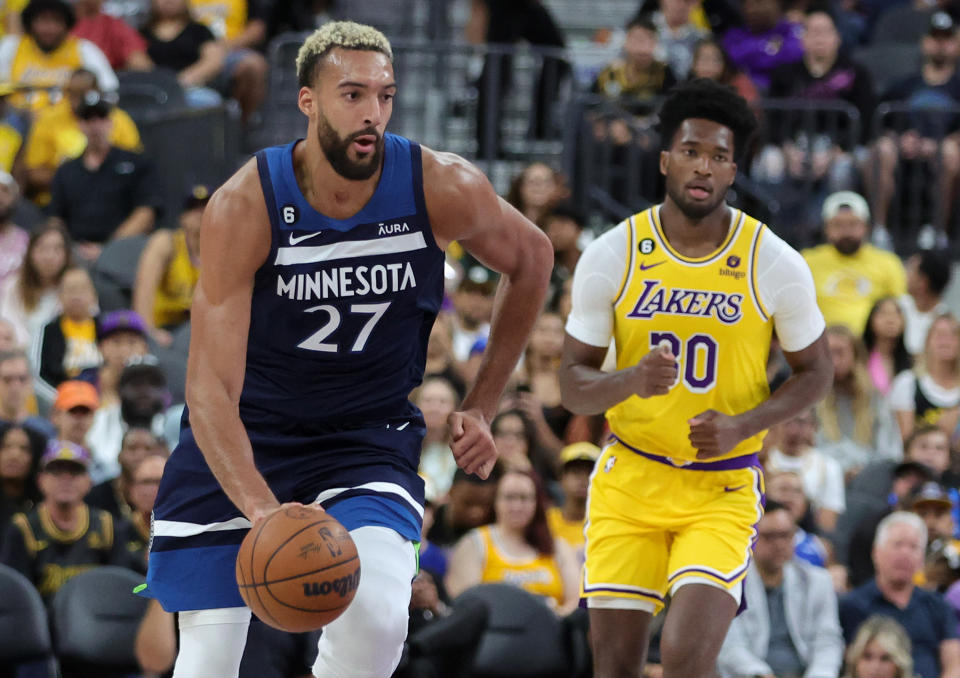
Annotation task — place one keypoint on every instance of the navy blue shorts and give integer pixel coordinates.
(361, 476)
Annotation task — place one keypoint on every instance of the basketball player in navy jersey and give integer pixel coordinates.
(321, 275)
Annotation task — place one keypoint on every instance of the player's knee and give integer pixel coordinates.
(384, 618)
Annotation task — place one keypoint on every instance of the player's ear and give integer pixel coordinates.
(664, 162)
(305, 100)
(734, 170)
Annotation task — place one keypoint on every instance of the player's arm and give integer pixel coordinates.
(585, 388)
(788, 293)
(234, 242)
(464, 207)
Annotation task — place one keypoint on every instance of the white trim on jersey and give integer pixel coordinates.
(376, 486)
(350, 249)
(178, 528)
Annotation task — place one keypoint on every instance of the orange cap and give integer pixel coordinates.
(76, 393)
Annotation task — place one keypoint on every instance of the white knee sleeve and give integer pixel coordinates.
(211, 642)
(366, 641)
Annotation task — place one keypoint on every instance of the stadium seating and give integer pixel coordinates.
(24, 632)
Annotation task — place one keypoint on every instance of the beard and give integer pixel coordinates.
(694, 210)
(336, 150)
(847, 246)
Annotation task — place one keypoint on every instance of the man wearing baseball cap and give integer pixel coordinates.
(121, 337)
(62, 536)
(566, 521)
(73, 410)
(851, 274)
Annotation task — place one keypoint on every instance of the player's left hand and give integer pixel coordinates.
(713, 433)
(472, 444)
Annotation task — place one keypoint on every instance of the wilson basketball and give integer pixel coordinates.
(298, 569)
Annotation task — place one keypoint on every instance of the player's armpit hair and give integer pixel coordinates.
(342, 34)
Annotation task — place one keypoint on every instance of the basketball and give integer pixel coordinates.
(298, 569)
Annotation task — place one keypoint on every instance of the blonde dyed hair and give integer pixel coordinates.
(342, 34)
(890, 636)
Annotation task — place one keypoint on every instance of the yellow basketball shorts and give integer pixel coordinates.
(653, 525)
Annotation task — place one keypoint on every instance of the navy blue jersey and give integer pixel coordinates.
(342, 309)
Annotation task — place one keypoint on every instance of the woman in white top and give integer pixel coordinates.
(29, 300)
(930, 392)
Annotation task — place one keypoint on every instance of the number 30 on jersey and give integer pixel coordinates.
(696, 358)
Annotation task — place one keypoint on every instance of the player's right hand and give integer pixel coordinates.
(656, 373)
(263, 512)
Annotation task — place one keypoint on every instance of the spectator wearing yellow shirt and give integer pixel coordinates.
(566, 522)
(244, 75)
(55, 136)
(168, 271)
(40, 61)
(10, 17)
(850, 274)
(11, 138)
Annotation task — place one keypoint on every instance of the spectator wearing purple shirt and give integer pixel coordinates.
(766, 40)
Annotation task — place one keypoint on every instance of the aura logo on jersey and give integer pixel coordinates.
(656, 299)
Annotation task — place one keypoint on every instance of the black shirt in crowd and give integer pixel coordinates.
(181, 52)
(94, 203)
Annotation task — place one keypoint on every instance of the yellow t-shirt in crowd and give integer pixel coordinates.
(226, 19)
(10, 142)
(571, 531)
(539, 575)
(38, 71)
(171, 306)
(848, 286)
(81, 340)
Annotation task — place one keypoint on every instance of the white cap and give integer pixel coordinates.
(845, 199)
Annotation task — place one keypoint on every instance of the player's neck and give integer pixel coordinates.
(324, 188)
(694, 237)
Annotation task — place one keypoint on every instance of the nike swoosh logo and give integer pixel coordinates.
(294, 240)
(733, 489)
(644, 267)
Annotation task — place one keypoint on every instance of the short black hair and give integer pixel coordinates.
(707, 99)
(461, 476)
(935, 267)
(643, 21)
(563, 210)
(771, 505)
(38, 7)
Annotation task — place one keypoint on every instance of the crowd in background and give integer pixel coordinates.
(857, 560)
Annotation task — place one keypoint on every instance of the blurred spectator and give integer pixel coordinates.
(856, 426)
(501, 23)
(121, 338)
(440, 359)
(133, 532)
(918, 145)
(678, 34)
(10, 17)
(39, 62)
(535, 190)
(538, 394)
(29, 300)
(567, 520)
(711, 61)
(518, 549)
(898, 557)
(116, 495)
(8, 338)
(850, 274)
(515, 439)
(906, 22)
(766, 40)
(930, 392)
(168, 271)
(437, 399)
(473, 303)
(68, 344)
(786, 488)
(822, 475)
(16, 392)
(928, 274)
(883, 487)
(177, 42)
(242, 27)
(790, 626)
(306, 15)
(12, 132)
(563, 224)
(881, 649)
(884, 340)
(124, 48)
(934, 505)
(107, 193)
(470, 505)
(638, 78)
(13, 239)
(72, 412)
(56, 137)
(63, 536)
(20, 451)
(144, 399)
